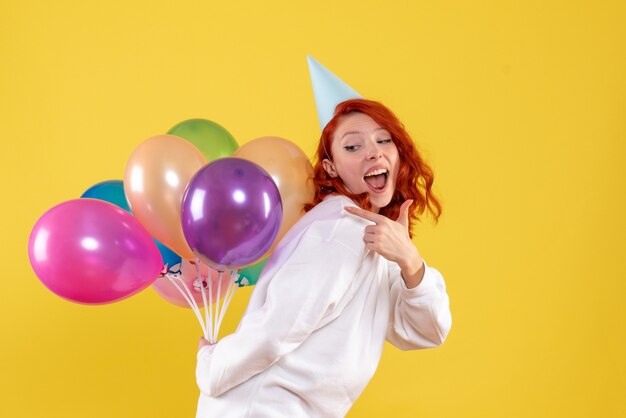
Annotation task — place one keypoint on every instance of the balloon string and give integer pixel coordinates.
(213, 315)
(209, 311)
(229, 295)
(218, 320)
(217, 303)
(194, 305)
(234, 275)
(203, 290)
(172, 279)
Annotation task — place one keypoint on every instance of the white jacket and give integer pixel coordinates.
(313, 333)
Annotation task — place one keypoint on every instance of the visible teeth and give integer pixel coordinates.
(376, 172)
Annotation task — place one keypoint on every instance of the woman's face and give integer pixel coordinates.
(365, 158)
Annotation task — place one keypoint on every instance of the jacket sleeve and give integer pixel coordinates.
(419, 317)
(304, 289)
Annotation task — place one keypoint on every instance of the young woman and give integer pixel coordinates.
(345, 278)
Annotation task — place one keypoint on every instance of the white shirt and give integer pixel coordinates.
(313, 333)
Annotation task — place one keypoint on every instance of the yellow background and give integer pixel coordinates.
(518, 105)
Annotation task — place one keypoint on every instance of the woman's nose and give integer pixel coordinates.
(374, 153)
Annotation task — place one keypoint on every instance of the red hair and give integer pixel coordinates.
(415, 177)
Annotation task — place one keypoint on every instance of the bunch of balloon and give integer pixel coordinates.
(231, 215)
(188, 218)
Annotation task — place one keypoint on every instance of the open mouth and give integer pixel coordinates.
(377, 179)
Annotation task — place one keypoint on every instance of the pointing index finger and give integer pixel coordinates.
(362, 213)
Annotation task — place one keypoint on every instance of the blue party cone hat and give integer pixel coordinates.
(329, 91)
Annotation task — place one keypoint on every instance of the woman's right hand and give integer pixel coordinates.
(203, 342)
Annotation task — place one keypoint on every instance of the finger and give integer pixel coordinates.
(365, 214)
(371, 229)
(369, 237)
(403, 215)
(203, 342)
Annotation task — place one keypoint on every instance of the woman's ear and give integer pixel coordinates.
(329, 167)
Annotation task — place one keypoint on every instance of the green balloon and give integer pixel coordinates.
(248, 276)
(212, 139)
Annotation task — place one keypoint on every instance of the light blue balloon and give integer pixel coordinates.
(170, 258)
(111, 191)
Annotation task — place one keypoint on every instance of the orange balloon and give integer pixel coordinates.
(291, 170)
(157, 174)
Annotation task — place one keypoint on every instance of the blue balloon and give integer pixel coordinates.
(112, 191)
(170, 258)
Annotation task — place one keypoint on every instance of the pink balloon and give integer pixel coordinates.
(90, 251)
(188, 274)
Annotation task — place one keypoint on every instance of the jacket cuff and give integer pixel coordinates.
(205, 351)
(426, 286)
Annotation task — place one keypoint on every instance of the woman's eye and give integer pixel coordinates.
(384, 141)
(351, 148)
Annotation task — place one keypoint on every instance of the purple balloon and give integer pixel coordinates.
(90, 251)
(231, 212)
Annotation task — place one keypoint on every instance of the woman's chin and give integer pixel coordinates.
(379, 201)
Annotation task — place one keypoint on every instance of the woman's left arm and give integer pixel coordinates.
(419, 317)
(420, 310)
